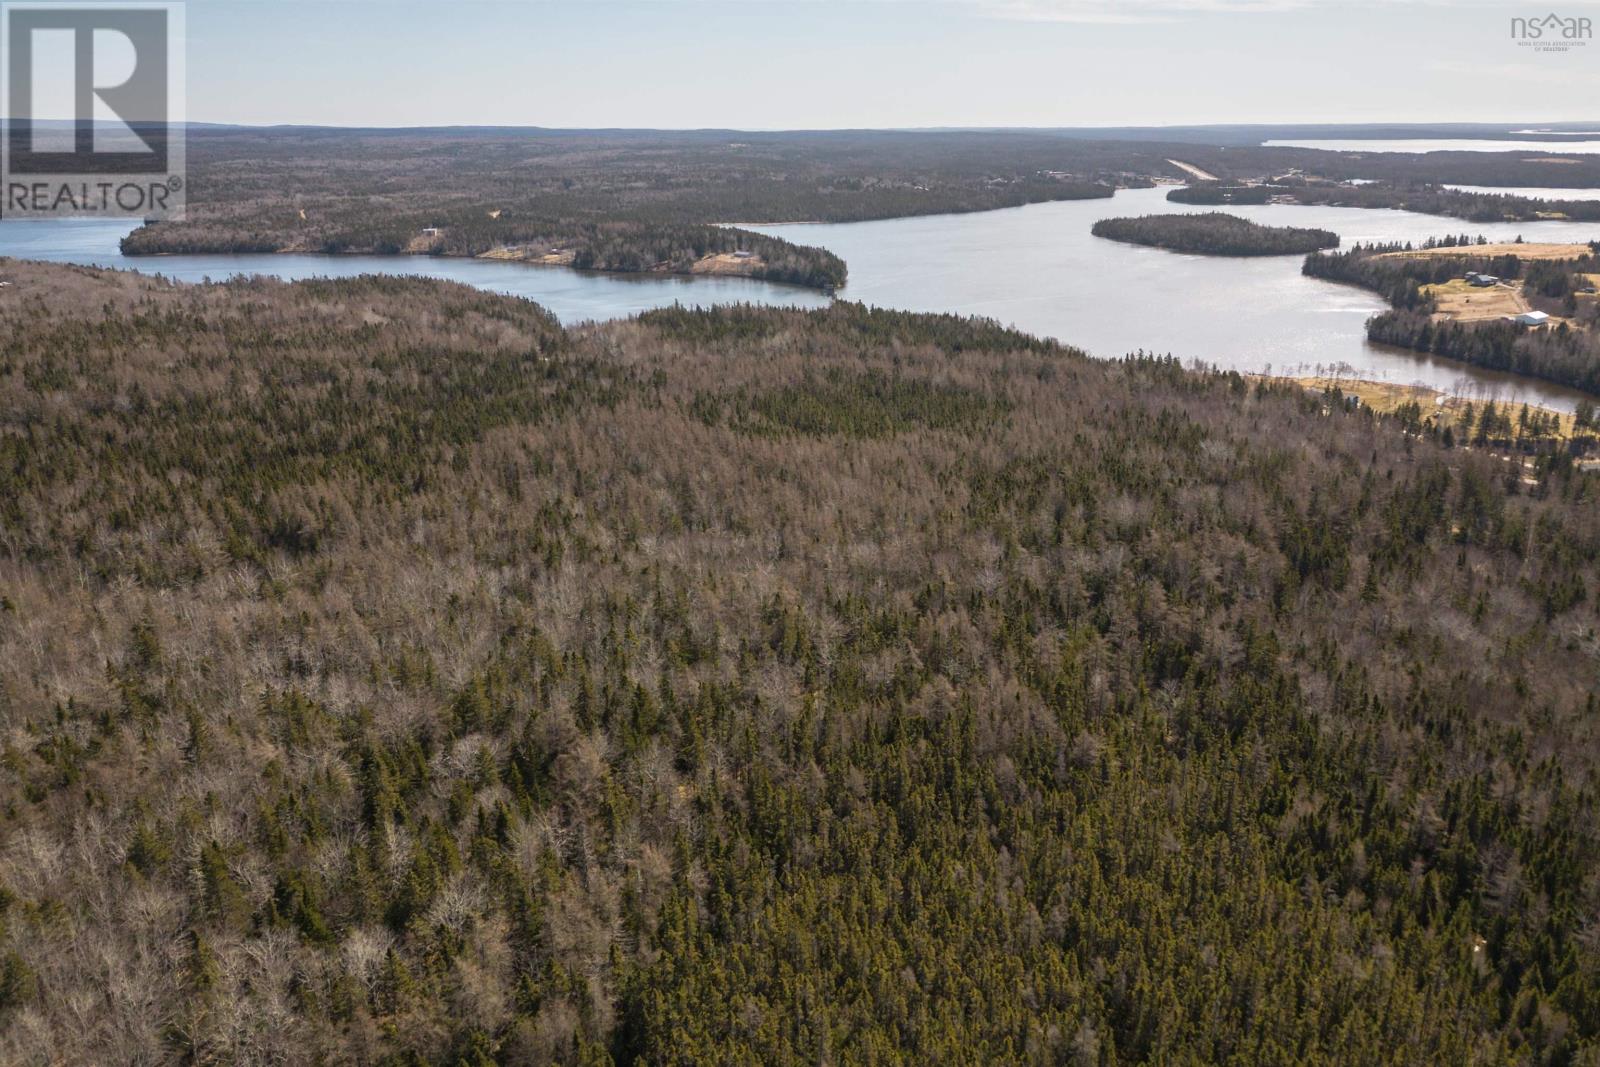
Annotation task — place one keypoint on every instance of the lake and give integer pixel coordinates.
(1532, 192)
(1040, 269)
(1037, 268)
(1417, 144)
(573, 295)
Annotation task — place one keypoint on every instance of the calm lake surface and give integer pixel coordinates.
(574, 296)
(1037, 268)
(1040, 269)
(1532, 192)
(1418, 144)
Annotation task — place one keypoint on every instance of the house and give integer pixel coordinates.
(1482, 280)
(744, 254)
(1531, 318)
(431, 231)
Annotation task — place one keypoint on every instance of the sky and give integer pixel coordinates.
(819, 64)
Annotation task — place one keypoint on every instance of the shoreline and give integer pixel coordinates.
(1386, 398)
(497, 256)
(941, 214)
(1465, 301)
(826, 289)
(1382, 396)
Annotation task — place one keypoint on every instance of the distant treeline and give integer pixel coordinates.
(1215, 234)
(1221, 193)
(621, 198)
(1424, 199)
(618, 200)
(1551, 170)
(624, 247)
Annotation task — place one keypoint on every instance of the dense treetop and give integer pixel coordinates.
(388, 675)
(1215, 233)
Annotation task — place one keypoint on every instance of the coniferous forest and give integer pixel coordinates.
(389, 675)
(1215, 233)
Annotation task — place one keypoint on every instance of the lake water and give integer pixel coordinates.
(574, 296)
(1417, 144)
(1037, 268)
(1040, 269)
(1532, 192)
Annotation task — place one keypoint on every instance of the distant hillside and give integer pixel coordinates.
(655, 200)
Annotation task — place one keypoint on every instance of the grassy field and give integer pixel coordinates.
(1470, 303)
(1447, 410)
(1524, 250)
(727, 263)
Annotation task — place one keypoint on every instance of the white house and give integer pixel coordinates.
(1531, 318)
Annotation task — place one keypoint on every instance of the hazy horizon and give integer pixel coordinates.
(875, 64)
(1533, 126)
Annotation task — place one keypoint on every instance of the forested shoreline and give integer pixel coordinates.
(1562, 354)
(1215, 233)
(614, 247)
(600, 200)
(639, 200)
(1400, 279)
(390, 675)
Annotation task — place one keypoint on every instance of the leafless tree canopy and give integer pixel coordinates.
(388, 675)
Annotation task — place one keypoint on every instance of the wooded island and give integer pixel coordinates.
(1215, 234)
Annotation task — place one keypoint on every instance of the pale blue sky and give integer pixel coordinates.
(769, 64)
